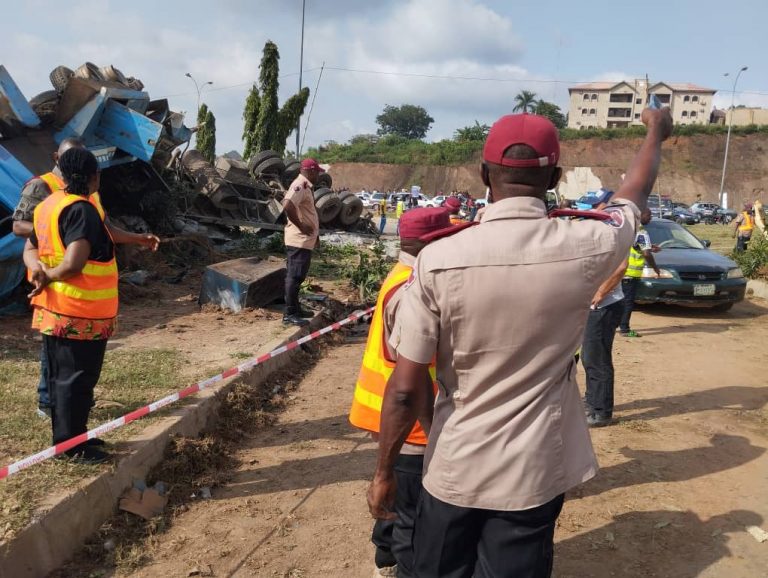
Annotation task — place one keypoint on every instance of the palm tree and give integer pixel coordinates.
(525, 101)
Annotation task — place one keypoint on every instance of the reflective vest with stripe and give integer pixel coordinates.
(747, 225)
(92, 293)
(56, 184)
(636, 263)
(377, 369)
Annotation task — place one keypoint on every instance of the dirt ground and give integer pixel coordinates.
(683, 470)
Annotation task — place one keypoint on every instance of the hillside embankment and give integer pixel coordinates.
(691, 169)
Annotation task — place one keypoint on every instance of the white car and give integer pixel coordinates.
(366, 198)
(436, 201)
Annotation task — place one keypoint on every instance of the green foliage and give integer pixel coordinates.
(525, 101)
(754, 261)
(206, 135)
(552, 112)
(407, 121)
(476, 132)
(266, 126)
(369, 272)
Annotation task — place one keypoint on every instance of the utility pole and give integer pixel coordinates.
(301, 69)
(198, 88)
(730, 125)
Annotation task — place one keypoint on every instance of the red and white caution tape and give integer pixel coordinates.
(173, 398)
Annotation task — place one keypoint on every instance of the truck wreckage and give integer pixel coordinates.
(150, 178)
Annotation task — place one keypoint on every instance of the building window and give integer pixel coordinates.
(637, 115)
(685, 113)
(639, 101)
(586, 96)
(686, 98)
(693, 114)
(582, 128)
(592, 111)
(594, 97)
(663, 98)
(584, 111)
(695, 99)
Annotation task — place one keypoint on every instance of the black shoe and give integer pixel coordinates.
(595, 420)
(95, 442)
(306, 314)
(87, 455)
(295, 320)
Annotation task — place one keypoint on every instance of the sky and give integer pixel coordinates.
(462, 60)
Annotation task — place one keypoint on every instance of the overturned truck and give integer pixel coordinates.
(151, 179)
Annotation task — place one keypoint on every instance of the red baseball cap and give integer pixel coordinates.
(418, 222)
(533, 130)
(452, 203)
(310, 165)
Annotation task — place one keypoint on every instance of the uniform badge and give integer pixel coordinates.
(617, 217)
(411, 280)
(297, 188)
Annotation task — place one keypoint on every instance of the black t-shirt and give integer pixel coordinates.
(82, 221)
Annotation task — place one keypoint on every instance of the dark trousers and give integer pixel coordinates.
(382, 223)
(456, 542)
(741, 244)
(597, 357)
(43, 401)
(394, 538)
(297, 263)
(629, 287)
(73, 370)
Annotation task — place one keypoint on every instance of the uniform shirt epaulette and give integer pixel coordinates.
(447, 232)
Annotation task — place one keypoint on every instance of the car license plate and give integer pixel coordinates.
(703, 290)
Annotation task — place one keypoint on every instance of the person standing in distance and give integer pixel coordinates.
(508, 436)
(301, 237)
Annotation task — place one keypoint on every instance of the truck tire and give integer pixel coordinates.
(320, 193)
(346, 194)
(351, 209)
(259, 158)
(44, 105)
(60, 78)
(324, 180)
(328, 207)
(273, 167)
(90, 71)
(134, 83)
(292, 170)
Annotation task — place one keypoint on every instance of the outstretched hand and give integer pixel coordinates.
(660, 119)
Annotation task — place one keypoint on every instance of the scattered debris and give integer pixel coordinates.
(143, 501)
(758, 533)
(137, 278)
(205, 493)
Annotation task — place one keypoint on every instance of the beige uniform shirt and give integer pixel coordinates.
(35, 191)
(504, 305)
(301, 195)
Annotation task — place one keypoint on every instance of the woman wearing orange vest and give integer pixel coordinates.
(744, 224)
(393, 538)
(71, 262)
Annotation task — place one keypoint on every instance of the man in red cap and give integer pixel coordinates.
(453, 204)
(393, 538)
(301, 234)
(502, 307)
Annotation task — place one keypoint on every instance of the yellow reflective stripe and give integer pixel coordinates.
(100, 269)
(368, 399)
(85, 294)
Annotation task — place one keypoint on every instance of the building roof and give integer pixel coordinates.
(676, 86)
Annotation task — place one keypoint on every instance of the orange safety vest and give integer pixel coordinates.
(747, 225)
(92, 293)
(456, 220)
(377, 369)
(56, 184)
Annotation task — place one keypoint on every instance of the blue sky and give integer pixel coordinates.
(540, 45)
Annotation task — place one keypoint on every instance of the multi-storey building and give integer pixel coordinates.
(619, 104)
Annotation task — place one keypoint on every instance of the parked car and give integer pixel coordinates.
(424, 201)
(366, 198)
(661, 208)
(683, 216)
(691, 274)
(437, 201)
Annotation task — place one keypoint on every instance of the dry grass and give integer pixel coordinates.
(721, 237)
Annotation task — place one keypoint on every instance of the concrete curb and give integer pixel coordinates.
(52, 539)
(757, 288)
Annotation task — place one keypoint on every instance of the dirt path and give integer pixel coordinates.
(683, 472)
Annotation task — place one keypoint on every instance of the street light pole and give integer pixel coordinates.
(301, 68)
(730, 125)
(198, 88)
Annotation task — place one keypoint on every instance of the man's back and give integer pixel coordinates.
(508, 432)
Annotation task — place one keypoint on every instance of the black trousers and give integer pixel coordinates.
(456, 542)
(597, 357)
(741, 244)
(629, 287)
(297, 263)
(394, 538)
(73, 367)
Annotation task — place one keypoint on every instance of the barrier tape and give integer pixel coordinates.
(62, 447)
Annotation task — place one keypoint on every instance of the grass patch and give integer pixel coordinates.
(721, 237)
(129, 379)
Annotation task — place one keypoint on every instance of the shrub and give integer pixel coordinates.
(754, 261)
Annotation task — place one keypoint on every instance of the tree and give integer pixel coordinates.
(552, 112)
(476, 132)
(266, 126)
(206, 134)
(525, 101)
(408, 121)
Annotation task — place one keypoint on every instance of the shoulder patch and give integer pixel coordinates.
(617, 217)
(297, 188)
(411, 280)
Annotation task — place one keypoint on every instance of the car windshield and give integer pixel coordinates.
(672, 237)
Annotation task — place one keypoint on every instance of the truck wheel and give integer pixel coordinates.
(320, 193)
(292, 170)
(259, 158)
(134, 84)
(60, 78)
(351, 209)
(328, 207)
(272, 166)
(324, 180)
(45, 105)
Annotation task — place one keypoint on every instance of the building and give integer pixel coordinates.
(619, 104)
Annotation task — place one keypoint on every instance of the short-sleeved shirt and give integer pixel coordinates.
(503, 306)
(34, 192)
(739, 220)
(82, 221)
(301, 195)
